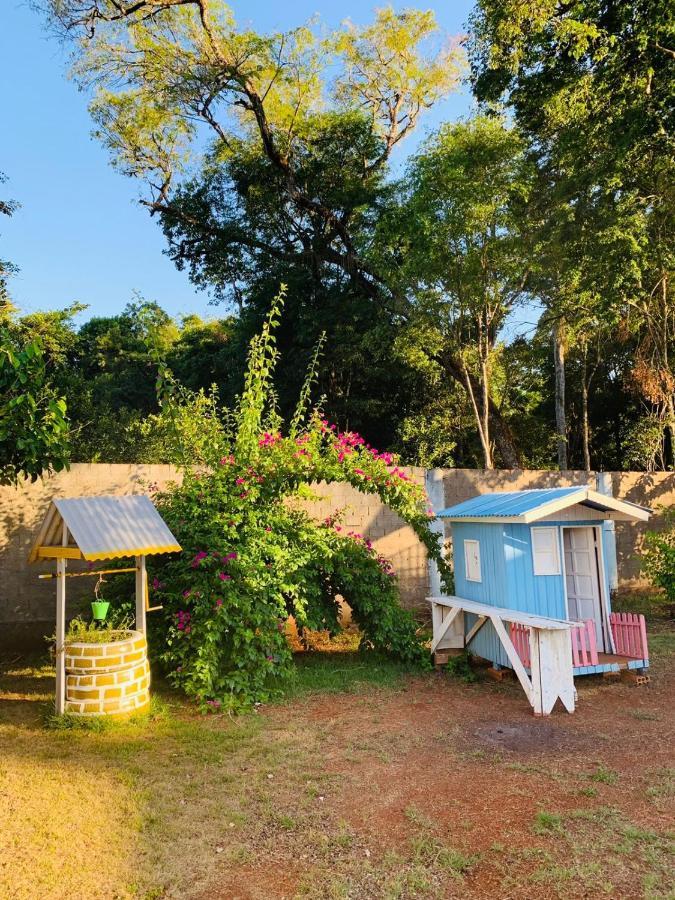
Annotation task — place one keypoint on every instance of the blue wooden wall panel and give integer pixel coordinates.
(492, 588)
(543, 595)
(508, 577)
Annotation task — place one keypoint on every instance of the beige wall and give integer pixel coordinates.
(27, 604)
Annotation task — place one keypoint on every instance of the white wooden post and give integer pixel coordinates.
(603, 485)
(552, 670)
(450, 635)
(140, 594)
(436, 496)
(60, 654)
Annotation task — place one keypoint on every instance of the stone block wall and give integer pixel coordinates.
(27, 604)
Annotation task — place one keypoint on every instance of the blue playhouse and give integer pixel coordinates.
(532, 559)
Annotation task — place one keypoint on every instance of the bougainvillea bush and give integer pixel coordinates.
(252, 556)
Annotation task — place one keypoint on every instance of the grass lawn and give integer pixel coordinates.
(366, 782)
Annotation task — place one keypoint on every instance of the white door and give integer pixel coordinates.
(581, 577)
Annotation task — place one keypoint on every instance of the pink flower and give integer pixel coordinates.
(240, 480)
(219, 603)
(224, 577)
(231, 555)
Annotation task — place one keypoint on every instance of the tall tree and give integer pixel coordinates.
(298, 132)
(591, 84)
(162, 67)
(457, 242)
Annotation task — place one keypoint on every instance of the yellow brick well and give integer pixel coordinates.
(108, 679)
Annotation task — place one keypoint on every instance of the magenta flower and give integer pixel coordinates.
(224, 577)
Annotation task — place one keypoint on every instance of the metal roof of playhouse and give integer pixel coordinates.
(104, 528)
(532, 505)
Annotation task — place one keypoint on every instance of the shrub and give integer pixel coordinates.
(251, 557)
(658, 557)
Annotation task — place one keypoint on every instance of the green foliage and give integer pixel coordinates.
(658, 556)
(460, 667)
(33, 423)
(81, 631)
(252, 557)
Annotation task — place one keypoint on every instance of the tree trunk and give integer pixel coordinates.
(585, 434)
(482, 421)
(559, 364)
(499, 430)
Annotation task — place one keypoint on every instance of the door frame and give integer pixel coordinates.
(606, 637)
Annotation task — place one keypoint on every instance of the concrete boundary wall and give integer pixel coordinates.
(27, 604)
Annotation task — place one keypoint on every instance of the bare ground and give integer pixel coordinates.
(433, 788)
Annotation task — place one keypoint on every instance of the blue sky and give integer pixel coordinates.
(80, 233)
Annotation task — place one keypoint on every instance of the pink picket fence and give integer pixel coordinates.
(520, 637)
(584, 644)
(584, 647)
(630, 635)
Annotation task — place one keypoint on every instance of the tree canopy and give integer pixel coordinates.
(502, 297)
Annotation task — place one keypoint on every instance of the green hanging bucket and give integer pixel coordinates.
(99, 610)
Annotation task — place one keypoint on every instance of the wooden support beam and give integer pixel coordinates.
(59, 553)
(141, 587)
(514, 659)
(90, 574)
(60, 654)
(475, 628)
(444, 627)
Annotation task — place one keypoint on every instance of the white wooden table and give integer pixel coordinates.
(551, 667)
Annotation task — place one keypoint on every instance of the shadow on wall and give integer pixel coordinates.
(365, 514)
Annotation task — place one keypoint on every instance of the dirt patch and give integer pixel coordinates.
(527, 738)
(424, 787)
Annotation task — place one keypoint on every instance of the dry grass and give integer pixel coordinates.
(381, 791)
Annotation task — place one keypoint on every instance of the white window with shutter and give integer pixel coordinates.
(472, 560)
(545, 551)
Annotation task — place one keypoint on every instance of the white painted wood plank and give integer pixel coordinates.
(444, 627)
(60, 659)
(60, 652)
(473, 631)
(512, 654)
(140, 594)
(535, 672)
(508, 615)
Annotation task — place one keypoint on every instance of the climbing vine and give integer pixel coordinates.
(252, 555)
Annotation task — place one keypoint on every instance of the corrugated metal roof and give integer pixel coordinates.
(528, 506)
(508, 503)
(110, 527)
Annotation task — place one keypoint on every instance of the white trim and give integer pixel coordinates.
(509, 615)
(468, 567)
(555, 550)
(605, 609)
(605, 639)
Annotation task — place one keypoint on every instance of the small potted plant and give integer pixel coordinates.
(99, 607)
